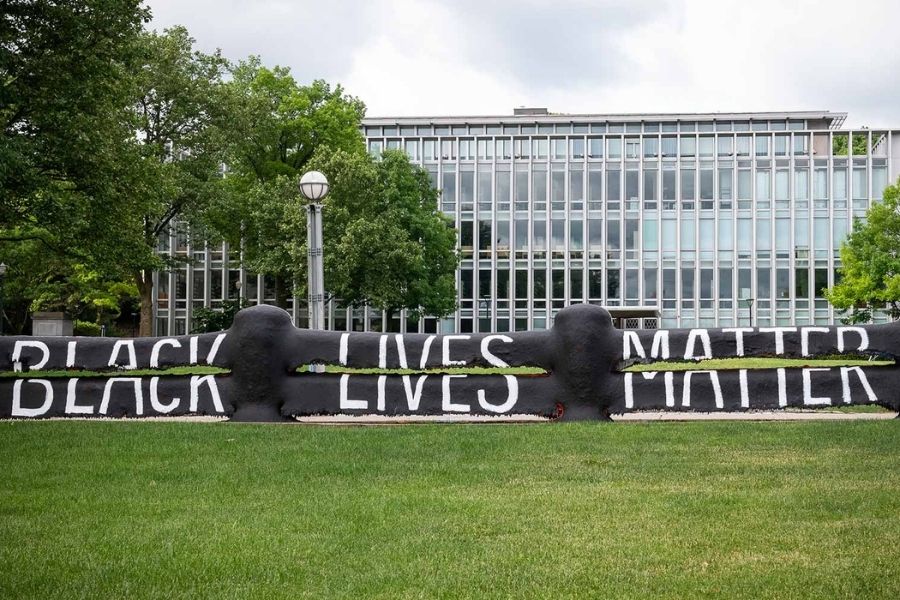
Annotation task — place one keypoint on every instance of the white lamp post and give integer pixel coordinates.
(746, 297)
(314, 187)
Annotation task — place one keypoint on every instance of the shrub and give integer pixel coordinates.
(85, 328)
(216, 319)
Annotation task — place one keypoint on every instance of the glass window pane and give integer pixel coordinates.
(595, 234)
(576, 189)
(840, 184)
(631, 234)
(726, 235)
(650, 177)
(613, 234)
(782, 233)
(612, 283)
(879, 181)
(687, 234)
(763, 234)
(539, 190)
(725, 145)
(669, 190)
(669, 147)
(744, 234)
(763, 282)
(576, 235)
(650, 235)
(801, 184)
(821, 184)
(706, 283)
(613, 185)
(860, 184)
(782, 184)
(669, 231)
(725, 178)
(725, 277)
(631, 184)
(595, 283)
(801, 233)
(614, 148)
(687, 184)
(763, 183)
(595, 189)
(707, 234)
(668, 282)
(706, 184)
(649, 284)
(687, 283)
(744, 184)
(801, 282)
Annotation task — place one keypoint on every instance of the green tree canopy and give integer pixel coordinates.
(110, 134)
(841, 144)
(390, 246)
(386, 243)
(66, 73)
(67, 157)
(183, 124)
(278, 127)
(870, 259)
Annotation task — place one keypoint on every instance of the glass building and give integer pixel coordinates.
(668, 220)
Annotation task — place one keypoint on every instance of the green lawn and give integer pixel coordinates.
(674, 510)
(718, 364)
(186, 370)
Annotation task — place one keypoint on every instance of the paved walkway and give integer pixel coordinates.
(793, 415)
(773, 415)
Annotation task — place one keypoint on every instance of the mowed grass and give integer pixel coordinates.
(52, 373)
(712, 364)
(591, 510)
(719, 364)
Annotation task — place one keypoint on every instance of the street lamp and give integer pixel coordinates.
(485, 305)
(3, 268)
(745, 297)
(314, 187)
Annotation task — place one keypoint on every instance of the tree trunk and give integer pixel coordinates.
(144, 280)
(281, 292)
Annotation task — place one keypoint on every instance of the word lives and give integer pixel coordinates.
(429, 393)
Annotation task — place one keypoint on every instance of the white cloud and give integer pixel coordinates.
(415, 57)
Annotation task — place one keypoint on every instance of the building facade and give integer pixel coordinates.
(669, 220)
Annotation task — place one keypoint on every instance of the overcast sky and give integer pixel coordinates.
(484, 57)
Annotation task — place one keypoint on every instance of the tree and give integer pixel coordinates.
(841, 143)
(870, 263)
(66, 71)
(65, 75)
(207, 320)
(387, 244)
(110, 133)
(279, 125)
(66, 157)
(181, 117)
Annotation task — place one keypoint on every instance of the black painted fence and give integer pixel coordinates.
(582, 357)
